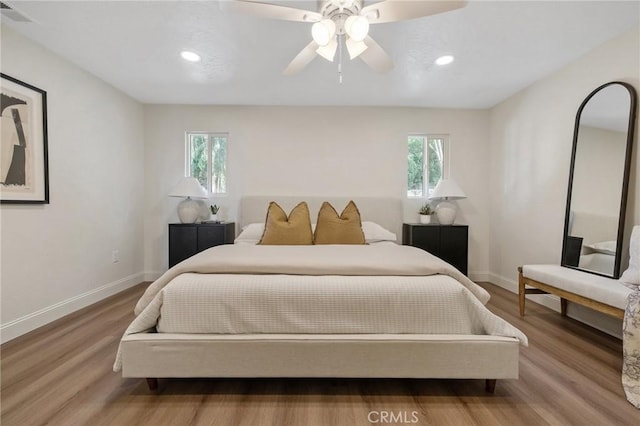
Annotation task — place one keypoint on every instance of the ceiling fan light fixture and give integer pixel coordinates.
(355, 48)
(323, 32)
(357, 27)
(329, 50)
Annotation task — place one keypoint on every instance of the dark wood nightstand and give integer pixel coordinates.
(187, 239)
(449, 242)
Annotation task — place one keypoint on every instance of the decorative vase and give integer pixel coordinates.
(425, 218)
(214, 217)
(188, 210)
(446, 212)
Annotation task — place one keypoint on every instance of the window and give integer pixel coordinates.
(207, 160)
(426, 161)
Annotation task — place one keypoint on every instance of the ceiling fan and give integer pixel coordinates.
(339, 22)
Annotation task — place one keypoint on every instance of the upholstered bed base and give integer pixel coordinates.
(163, 355)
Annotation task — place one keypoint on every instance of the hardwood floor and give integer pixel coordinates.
(61, 375)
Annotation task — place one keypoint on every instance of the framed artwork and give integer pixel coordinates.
(24, 170)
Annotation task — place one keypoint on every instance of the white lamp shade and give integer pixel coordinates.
(357, 27)
(355, 48)
(188, 187)
(323, 31)
(329, 51)
(447, 189)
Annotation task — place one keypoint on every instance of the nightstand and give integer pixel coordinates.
(449, 242)
(187, 239)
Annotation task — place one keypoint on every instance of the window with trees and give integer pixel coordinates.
(207, 160)
(426, 163)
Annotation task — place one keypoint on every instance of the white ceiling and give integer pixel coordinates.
(500, 48)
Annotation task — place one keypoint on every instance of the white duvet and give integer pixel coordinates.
(380, 259)
(370, 289)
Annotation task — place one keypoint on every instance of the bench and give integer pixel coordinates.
(593, 291)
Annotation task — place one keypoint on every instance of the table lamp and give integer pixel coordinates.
(447, 190)
(188, 209)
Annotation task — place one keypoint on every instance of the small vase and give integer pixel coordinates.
(425, 218)
(214, 217)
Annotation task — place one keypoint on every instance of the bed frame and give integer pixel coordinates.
(153, 355)
(162, 355)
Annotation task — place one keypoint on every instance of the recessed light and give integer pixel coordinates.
(190, 56)
(444, 60)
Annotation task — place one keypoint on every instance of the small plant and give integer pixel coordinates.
(426, 209)
(214, 209)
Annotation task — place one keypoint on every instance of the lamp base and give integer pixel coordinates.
(188, 210)
(446, 212)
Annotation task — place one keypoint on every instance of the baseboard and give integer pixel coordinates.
(27, 323)
(548, 300)
(479, 276)
(152, 275)
(503, 282)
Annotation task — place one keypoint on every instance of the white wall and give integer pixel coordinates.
(314, 151)
(531, 138)
(56, 258)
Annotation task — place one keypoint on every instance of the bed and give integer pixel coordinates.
(374, 310)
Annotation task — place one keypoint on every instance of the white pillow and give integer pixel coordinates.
(605, 247)
(632, 274)
(373, 233)
(250, 234)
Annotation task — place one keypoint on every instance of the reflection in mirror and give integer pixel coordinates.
(599, 178)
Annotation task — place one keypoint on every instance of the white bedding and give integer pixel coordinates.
(246, 304)
(382, 288)
(380, 259)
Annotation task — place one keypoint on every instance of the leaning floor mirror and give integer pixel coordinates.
(599, 180)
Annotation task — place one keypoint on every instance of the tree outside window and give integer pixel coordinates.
(426, 160)
(207, 160)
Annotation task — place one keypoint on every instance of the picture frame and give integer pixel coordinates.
(24, 168)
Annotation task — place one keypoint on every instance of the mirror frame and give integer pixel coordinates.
(566, 241)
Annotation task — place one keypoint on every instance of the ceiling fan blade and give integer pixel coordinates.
(271, 11)
(400, 10)
(376, 57)
(302, 59)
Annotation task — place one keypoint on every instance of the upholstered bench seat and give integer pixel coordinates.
(606, 290)
(603, 294)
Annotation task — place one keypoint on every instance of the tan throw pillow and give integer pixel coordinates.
(282, 230)
(343, 229)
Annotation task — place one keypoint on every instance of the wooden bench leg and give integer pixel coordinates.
(563, 306)
(490, 385)
(521, 294)
(152, 382)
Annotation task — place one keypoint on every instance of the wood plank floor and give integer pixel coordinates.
(61, 375)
